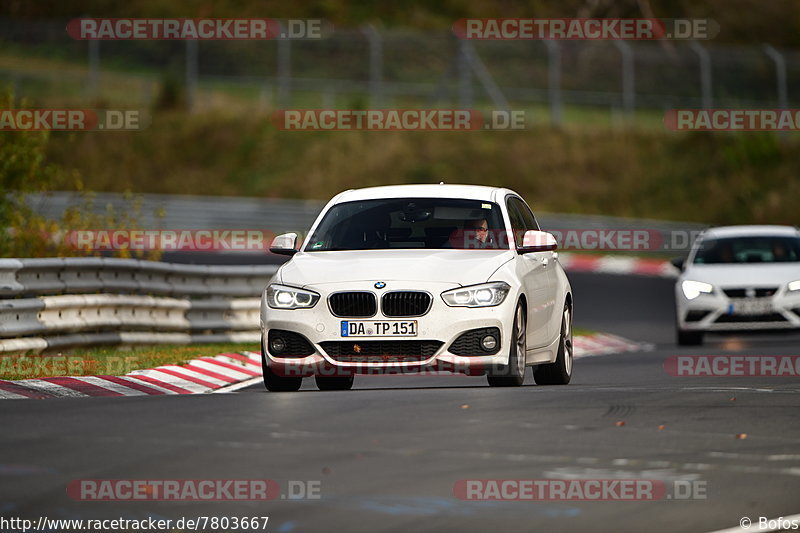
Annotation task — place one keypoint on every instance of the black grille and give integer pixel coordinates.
(353, 304)
(380, 351)
(696, 315)
(296, 344)
(761, 292)
(469, 342)
(405, 303)
(767, 317)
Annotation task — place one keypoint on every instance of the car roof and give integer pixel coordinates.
(752, 230)
(429, 190)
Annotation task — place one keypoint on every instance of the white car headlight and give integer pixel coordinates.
(284, 297)
(693, 289)
(794, 285)
(483, 295)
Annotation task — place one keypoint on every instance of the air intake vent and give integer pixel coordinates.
(761, 292)
(396, 351)
(353, 304)
(768, 317)
(405, 303)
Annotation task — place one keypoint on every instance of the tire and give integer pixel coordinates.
(274, 382)
(337, 383)
(689, 338)
(513, 374)
(559, 372)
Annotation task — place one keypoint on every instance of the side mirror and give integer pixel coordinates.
(678, 262)
(537, 241)
(284, 244)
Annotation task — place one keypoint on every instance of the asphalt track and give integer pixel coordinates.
(387, 454)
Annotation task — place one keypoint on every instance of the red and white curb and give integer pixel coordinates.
(604, 344)
(222, 373)
(614, 264)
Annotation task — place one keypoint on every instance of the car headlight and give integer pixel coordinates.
(693, 289)
(794, 286)
(483, 295)
(284, 297)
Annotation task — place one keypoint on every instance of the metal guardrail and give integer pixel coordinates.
(61, 302)
(285, 215)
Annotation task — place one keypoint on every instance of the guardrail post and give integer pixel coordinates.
(705, 73)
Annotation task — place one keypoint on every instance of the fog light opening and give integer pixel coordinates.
(489, 343)
(277, 345)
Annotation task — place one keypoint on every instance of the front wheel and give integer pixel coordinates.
(513, 374)
(272, 381)
(559, 372)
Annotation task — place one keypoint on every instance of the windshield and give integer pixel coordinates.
(402, 223)
(761, 249)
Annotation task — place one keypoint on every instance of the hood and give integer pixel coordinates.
(464, 267)
(744, 275)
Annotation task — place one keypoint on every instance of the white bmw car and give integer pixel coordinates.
(418, 278)
(739, 278)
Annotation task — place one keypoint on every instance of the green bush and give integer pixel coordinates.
(24, 169)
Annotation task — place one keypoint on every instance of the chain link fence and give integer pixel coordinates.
(369, 67)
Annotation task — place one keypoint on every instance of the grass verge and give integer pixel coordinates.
(109, 361)
(714, 178)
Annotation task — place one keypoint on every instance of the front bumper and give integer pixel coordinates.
(441, 323)
(716, 312)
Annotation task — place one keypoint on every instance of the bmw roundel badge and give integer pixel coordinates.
(379, 285)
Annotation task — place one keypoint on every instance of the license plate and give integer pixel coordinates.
(379, 328)
(751, 306)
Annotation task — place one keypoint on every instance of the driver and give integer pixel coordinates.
(478, 229)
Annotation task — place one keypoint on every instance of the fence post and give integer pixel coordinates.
(705, 73)
(15, 90)
(780, 75)
(375, 66)
(284, 70)
(554, 81)
(480, 70)
(191, 73)
(464, 76)
(93, 80)
(628, 78)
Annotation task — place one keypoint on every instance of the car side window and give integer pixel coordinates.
(517, 220)
(527, 215)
